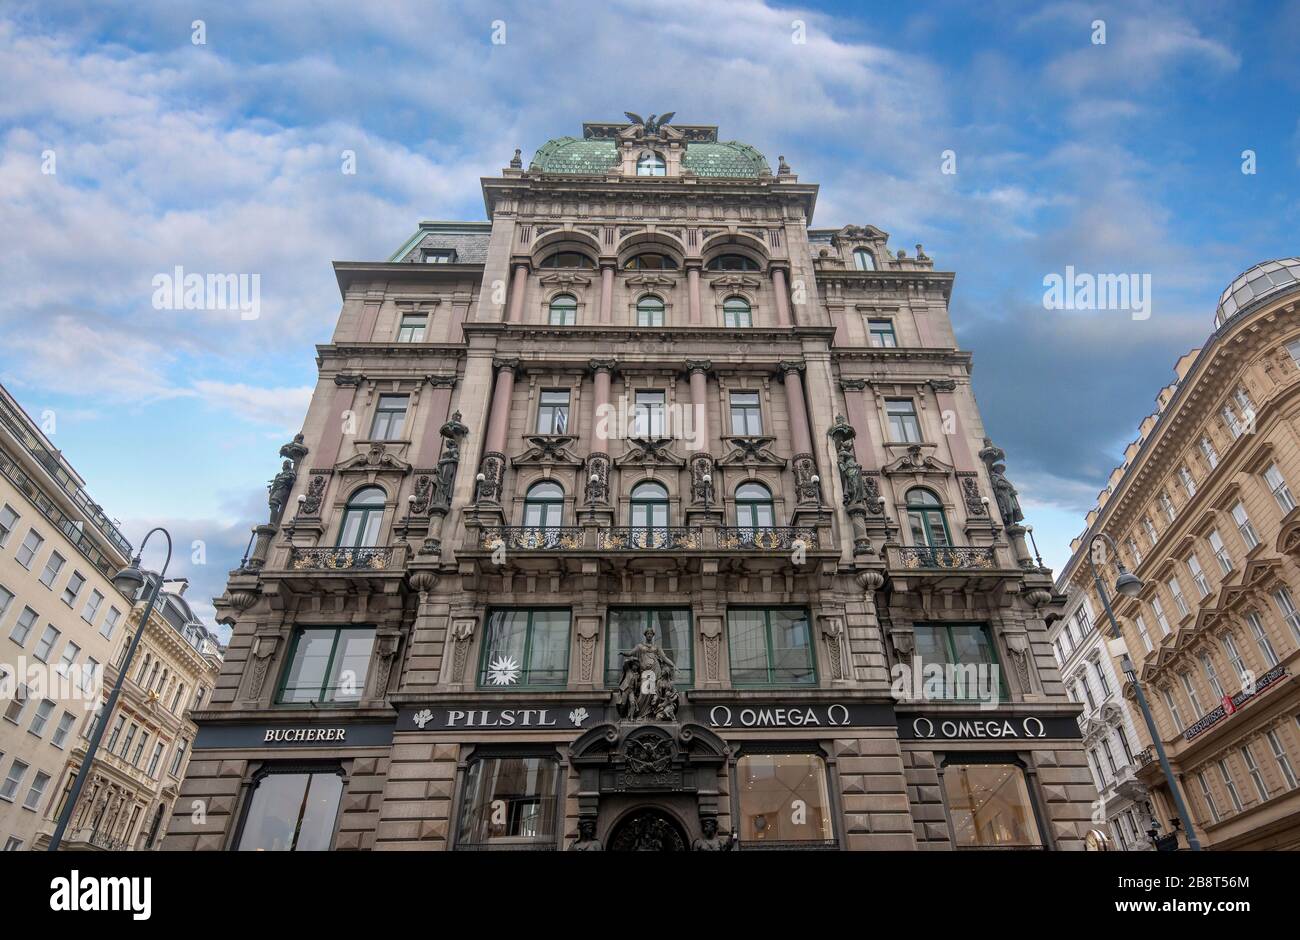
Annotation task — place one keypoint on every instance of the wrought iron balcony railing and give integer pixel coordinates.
(949, 558)
(654, 538)
(376, 558)
(548, 538)
(772, 538)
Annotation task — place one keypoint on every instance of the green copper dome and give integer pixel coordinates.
(595, 157)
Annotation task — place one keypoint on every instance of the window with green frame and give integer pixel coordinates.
(327, 665)
(525, 648)
(960, 644)
(926, 519)
(627, 627)
(770, 646)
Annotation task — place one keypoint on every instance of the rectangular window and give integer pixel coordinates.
(34, 795)
(1282, 597)
(75, 584)
(6, 598)
(1167, 506)
(1174, 714)
(390, 418)
(46, 644)
(1158, 609)
(968, 646)
(8, 520)
(13, 844)
(1110, 757)
(23, 626)
(17, 705)
(1149, 528)
(672, 627)
(1124, 745)
(1220, 552)
(1189, 483)
(110, 623)
(1277, 486)
(292, 812)
(1190, 689)
(1212, 675)
(989, 806)
(904, 427)
(1142, 632)
(152, 770)
(1279, 755)
(130, 736)
(525, 649)
(648, 415)
(1229, 643)
(882, 334)
(510, 802)
(1102, 681)
(769, 785)
(41, 718)
(113, 733)
(770, 646)
(746, 416)
(1176, 591)
(139, 748)
(14, 779)
(1136, 555)
(412, 328)
(70, 653)
(1198, 576)
(553, 411)
(1230, 421)
(1248, 534)
(1252, 769)
(31, 545)
(53, 566)
(327, 665)
(1087, 691)
(178, 759)
(1211, 455)
(63, 729)
(1208, 797)
(1257, 630)
(440, 256)
(92, 607)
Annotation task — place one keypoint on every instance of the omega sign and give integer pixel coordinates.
(759, 715)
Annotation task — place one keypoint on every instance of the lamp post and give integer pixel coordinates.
(129, 581)
(1130, 585)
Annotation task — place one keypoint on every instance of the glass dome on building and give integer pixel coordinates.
(1256, 284)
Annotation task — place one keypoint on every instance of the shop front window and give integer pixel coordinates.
(509, 803)
(784, 799)
(989, 807)
(292, 811)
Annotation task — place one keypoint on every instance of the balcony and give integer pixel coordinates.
(771, 538)
(948, 558)
(656, 539)
(532, 538)
(377, 558)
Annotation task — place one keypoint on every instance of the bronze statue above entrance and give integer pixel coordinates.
(645, 691)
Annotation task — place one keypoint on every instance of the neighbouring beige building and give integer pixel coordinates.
(1203, 511)
(63, 628)
(645, 516)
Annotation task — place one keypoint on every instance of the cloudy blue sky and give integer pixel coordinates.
(225, 157)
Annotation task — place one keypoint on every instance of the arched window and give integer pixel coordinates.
(926, 518)
(567, 259)
(863, 260)
(732, 263)
(754, 506)
(564, 310)
(361, 519)
(736, 312)
(649, 506)
(650, 261)
(649, 311)
(543, 506)
(651, 164)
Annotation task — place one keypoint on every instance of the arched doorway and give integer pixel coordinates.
(647, 830)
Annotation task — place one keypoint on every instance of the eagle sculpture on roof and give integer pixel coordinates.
(652, 127)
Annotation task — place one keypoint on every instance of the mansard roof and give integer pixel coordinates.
(594, 157)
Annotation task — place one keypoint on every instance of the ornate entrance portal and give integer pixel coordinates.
(647, 830)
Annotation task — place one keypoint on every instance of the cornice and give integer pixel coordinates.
(660, 334)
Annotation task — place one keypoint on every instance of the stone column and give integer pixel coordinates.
(493, 468)
(699, 372)
(515, 311)
(804, 464)
(606, 292)
(782, 297)
(596, 487)
(693, 294)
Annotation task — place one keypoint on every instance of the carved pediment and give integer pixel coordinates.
(548, 450)
(565, 278)
(649, 451)
(917, 460)
(736, 282)
(651, 280)
(751, 452)
(373, 456)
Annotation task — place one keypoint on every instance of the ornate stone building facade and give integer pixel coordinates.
(1203, 512)
(640, 516)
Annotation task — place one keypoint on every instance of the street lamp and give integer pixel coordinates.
(129, 581)
(1130, 585)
